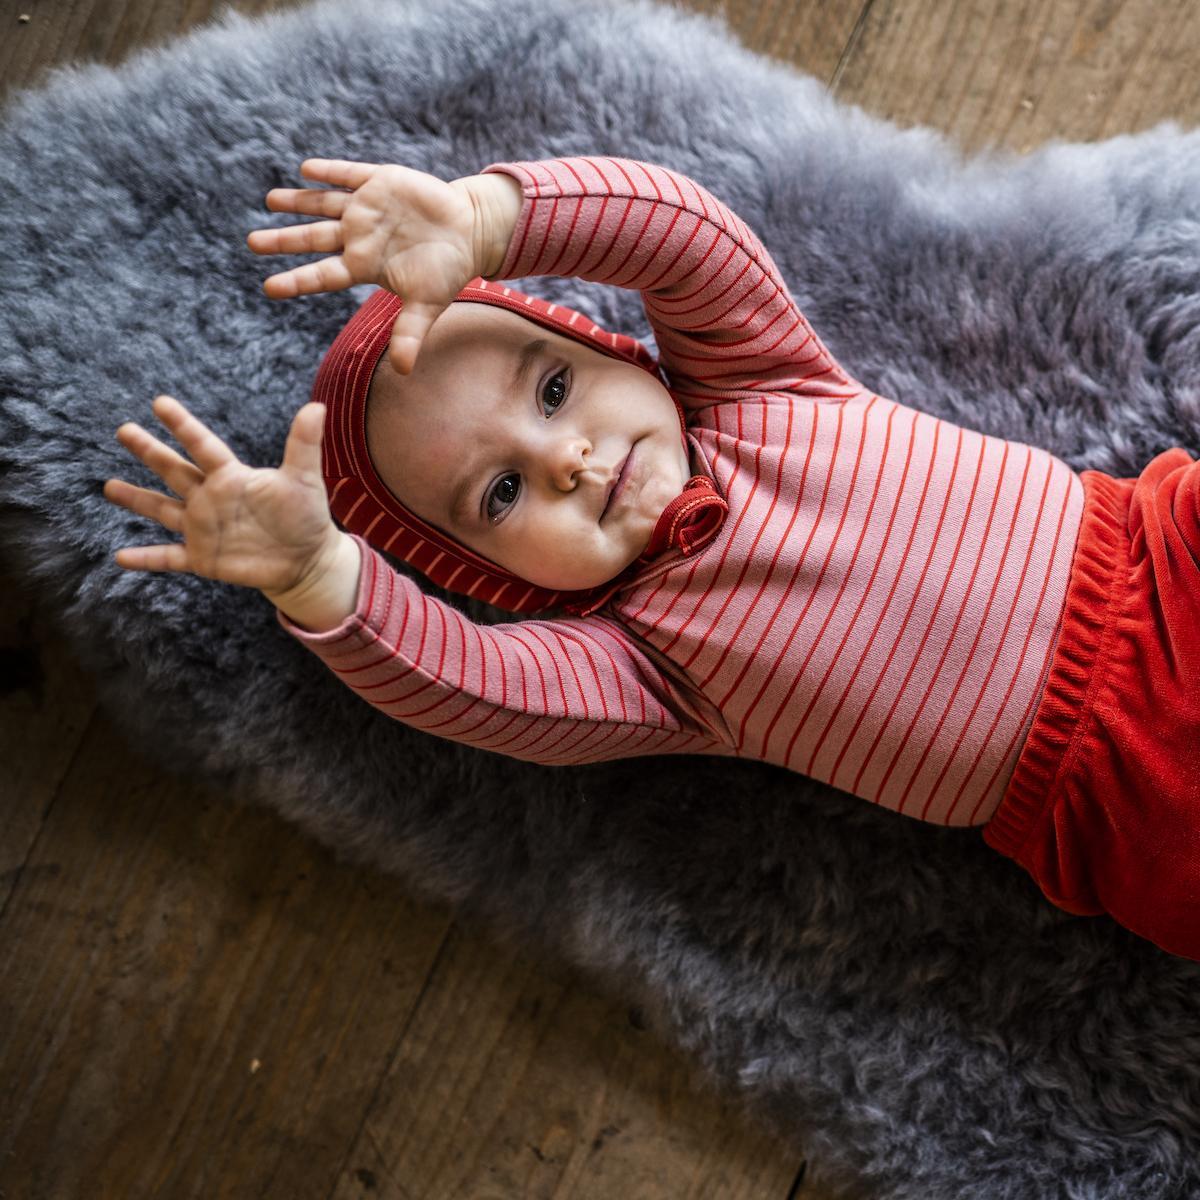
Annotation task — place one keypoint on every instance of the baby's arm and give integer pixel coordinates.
(560, 691)
(721, 312)
(569, 691)
(725, 322)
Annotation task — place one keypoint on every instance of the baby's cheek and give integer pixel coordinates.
(594, 550)
(586, 549)
(580, 564)
(633, 540)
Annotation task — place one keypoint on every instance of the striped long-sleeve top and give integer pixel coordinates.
(877, 610)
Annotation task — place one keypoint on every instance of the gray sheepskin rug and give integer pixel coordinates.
(896, 998)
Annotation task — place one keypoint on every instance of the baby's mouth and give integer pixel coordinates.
(617, 484)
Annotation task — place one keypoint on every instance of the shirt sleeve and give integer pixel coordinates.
(724, 320)
(574, 690)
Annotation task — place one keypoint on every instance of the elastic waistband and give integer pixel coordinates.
(1095, 592)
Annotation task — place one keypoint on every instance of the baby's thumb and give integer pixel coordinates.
(408, 332)
(302, 454)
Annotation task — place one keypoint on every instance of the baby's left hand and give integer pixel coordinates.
(400, 228)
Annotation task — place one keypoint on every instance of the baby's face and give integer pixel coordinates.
(522, 469)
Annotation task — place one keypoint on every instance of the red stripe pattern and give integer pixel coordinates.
(877, 610)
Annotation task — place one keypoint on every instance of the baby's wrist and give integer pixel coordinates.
(496, 199)
(327, 593)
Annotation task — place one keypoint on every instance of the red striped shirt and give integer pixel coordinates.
(877, 610)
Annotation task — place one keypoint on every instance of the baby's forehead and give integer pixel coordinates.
(472, 337)
(473, 319)
(468, 341)
(501, 327)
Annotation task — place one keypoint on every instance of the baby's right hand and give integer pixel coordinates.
(394, 226)
(262, 527)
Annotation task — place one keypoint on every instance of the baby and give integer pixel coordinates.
(743, 550)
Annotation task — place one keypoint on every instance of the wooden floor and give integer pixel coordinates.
(196, 1001)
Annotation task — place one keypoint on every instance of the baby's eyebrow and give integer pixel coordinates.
(526, 359)
(459, 501)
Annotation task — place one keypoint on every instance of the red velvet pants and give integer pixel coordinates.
(1103, 808)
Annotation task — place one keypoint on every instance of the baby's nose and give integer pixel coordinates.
(568, 458)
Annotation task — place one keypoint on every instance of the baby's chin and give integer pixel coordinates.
(578, 579)
(573, 582)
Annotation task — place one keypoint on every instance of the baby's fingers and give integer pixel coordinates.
(163, 509)
(207, 450)
(309, 202)
(302, 453)
(170, 466)
(323, 237)
(328, 275)
(341, 172)
(408, 332)
(170, 557)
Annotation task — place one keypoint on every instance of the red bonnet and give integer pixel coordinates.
(362, 504)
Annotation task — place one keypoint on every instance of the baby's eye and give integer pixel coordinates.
(550, 388)
(506, 491)
(508, 487)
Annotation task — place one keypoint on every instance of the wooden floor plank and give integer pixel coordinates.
(104, 31)
(193, 995)
(46, 702)
(1020, 73)
(517, 1079)
(810, 35)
